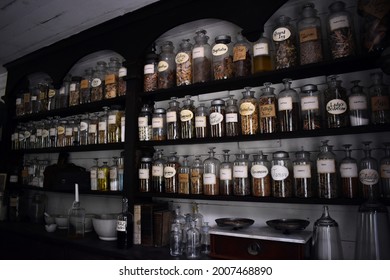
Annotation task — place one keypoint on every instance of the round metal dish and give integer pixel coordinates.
(234, 223)
(288, 225)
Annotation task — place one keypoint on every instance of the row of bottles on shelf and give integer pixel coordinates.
(103, 127)
(280, 177)
(290, 46)
(97, 84)
(33, 172)
(107, 178)
(287, 111)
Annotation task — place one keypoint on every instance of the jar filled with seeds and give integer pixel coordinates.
(122, 80)
(241, 180)
(309, 35)
(93, 129)
(326, 172)
(197, 176)
(145, 123)
(217, 118)
(84, 125)
(202, 128)
(159, 125)
(302, 167)
(111, 78)
(187, 118)
(310, 107)
(114, 125)
(201, 58)
(150, 71)
(242, 57)
(166, 68)
(98, 81)
(222, 51)
(74, 91)
(184, 177)
(171, 174)
(145, 174)
(336, 104)
(284, 38)
(158, 180)
(260, 175)
(69, 136)
(183, 61)
(288, 108)
(226, 175)
(263, 59)
(211, 174)
(231, 117)
(349, 174)
(249, 113)
(282, 181)
(103, 126)
(86, 86)
(173, 119)
(61, 128)
(268, 109)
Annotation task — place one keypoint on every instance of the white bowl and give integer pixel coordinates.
(49, 220)
(61, 221)
(51, 227)
(105, 226)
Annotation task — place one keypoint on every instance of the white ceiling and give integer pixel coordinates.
(28, 25)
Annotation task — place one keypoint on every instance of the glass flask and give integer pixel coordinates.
(241, 181)
(368, 173)
(171, 174)
(309, 35)
(103, 126)
(98, 80)
(268, 109)
(184, 177)
(249, 113)
(340, 31)
(63, 97)
(53, 132)
(114, 125)
(242, 57)
(94, 175)
(61, 128)
(175, 240)
(159, 124)
(385, 171)
(103, 177)
(122, 80)
(173, 121)
(222, 51)
(336, 104)
(201, 58)
(288, 108)
(158, 180)
(349, 174)
(205, 239)
(145, 174)
(145, 123)
(93, 129)
(262, 55)
(187, 118)
(231, 117)
(111, 78)
(380, 99)
(197, 176)
(202, 127)
(282, 181)
(84, 128)
(358, 106)
(261, 175)
(326, 242)
(121, 170)
(86, 85)
(193, 242)
(183, 61)
(166, 68)
(226, 175)
(302, 168)
(217, 118)
(211, 174)
(326, 172)
(310, 107)
(114, 180)
(284, 38)
(74, 91)
(150, 71)
(27, 102)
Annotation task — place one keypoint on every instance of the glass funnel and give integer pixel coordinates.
(349, 174)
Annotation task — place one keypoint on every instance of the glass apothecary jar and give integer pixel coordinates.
(202, 124)
(103, 126)
(249, 113)
(380, 99)
(242, 57)
(171, 177)
(103, 177)
(268, 109)
(241, 180)
(83, 129)
(93, 129)
(349, 174)
(111, 78)
(74, 91)
(310, 107)
(114, 124)
(336, 104)
(94, 174)
(358, 106)
(19, 105)
(52, 132)
(145, 123)
(226, 175)
(122, 80)
(35, 102)
(145, 174)
(86, 86)
(288, 108)
(368, 173)
(201, 58)
(114, 178)
(326, 172)
(260, 175)
(217, 118)
(159, 125)
(183, 61)
(158, 180)
(150, 71)
(222, 51)
(71, 138)
(197, 171)
(282, 181)
(385, 171)
(173, 119)
(98, 81)
(302, 168)
(166, 66)
(211, 174)
(263, 59)
(232, 117)
(184, 177)
(187, 118)
(61, 129)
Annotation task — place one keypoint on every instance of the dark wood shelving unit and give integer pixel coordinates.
(81, 148)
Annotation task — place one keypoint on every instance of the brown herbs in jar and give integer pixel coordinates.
(289, 119)
(342, 42)
(327, 187)
(223, 69)
(282, 188)
(201, 70)
(150, 82)
(166, 79)
(303, 187)
(261, 186)
(286, 54)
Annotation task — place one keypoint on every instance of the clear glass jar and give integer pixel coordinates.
(261, 175)
(84, 128)
(336, 104)
(358, 106)
(187, 118)
(86, 85)
(268, 109)
(158, 180)
(217, 118)
(76, 130)
(19, 105)
(242, 57)
(197, 176)
(349, 174)
(222, 51)
(166, 66)
(69, 136)
(111, 78)
(121, 170)
(263, 59)
(53, 132)
(184, 177)
(302, 168)
(94, 175)
(385, 171)
(202, 128)
(145, 123)
(310, 37)
(282, 181)
(43, 88)
(183, 61)
(27, 102)
(61, 130)
(368, 173)
(98, 81)
(150, 70)
(74, 91)
(173, 119)
(122, 80)
(241, 180)
(193, 242)
(231, 117)
(288, 108)
(46, 134)
(52, 96)
(171, 174)
(226, 175)
(284, 38)
(205, 239)
(310, 107)
(175, 240)
(145, 174)
(326, 172)
(35, 101)
(201, 58)
(114, 125)
(93, 129)
(159, 125)
(211, 174)
(27, 136)
(38, 134)
(114, 179)
(380, 99)
(103, 126)
(249, 113)
(103, 177)
(63, 96)
(340, 31)
(123, 127)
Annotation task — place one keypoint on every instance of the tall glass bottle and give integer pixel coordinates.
(197, 176)
(326, 172)
(268, 109)
(159, 124)
(114, 180)
(175, 240)
(187, 118)
(302, 168)
(84, 127)
(385, 171)
(111, 78)
(85, 86)
(201, 58)
(184, 177)
(262, 55)
(94, 175)
(158, 180)
(205, 238)
(379, 99)
(76, 218)
(211, 174)
(166, 66)
(145, 174)
(217, 118)
(349, 174)
(241, 181)
(124, 226)
(196, 216)
(114, 125)
(103, 177)
(121, 170)
(173, 119)
(171, 174)
(183, 61)
(336, 104)
(281, 173)
(310, 107)
(288, 108)
(53, 132)
(358, 106)
(222, 51)
(74, 91)
(103, 127)
(202, 124)
(249, 113)
(231, 117)
(97, 83)
(261, 175)
(242, 57)
(93, 129)
(193, 242)
(368, 173)
(226, 175)
(150, 71)
(145, 123)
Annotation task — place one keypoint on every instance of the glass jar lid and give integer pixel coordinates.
(280, 155)
(309, 87)
(226, 39)
(159, 111)
(217, 102)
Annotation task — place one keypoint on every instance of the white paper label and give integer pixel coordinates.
(72, 87)
(93, 174)
(143, 174)
(92, 128)
(302, 171)
(113, 174)
(122, 72)
(281, 34)
(101, 174)
(225, 173)
(102, 126)
(348, 170)
(169, 172)
(369, 177)
(68, 131)
(18, 101)
(148, 69)
(216, 118)
(279, 172)
(142, 122)
(52, 132)
(260, 49)
(162, 66)
(186, 115)
(209, 179)
(336, 107)
(259, 171)
(112, 119)
(338, 22)
(182, 57)
(197, 52)
(45, 133)
(83, 126)
(231, 118)
(34, 98)
(240, 171)
(219, 49)
(39, 132)
(200, 121)
(157, 122)
(157, 171)
(121, 225)
(385, 171)
(285, 103)
(357, 102)
(326, 166)
(309, 103)
(171, 117)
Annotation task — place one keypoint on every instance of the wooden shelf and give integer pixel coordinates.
(82, 148)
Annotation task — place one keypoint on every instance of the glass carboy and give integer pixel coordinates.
(187, 118)
(226, 175)
(249, 113)
(241, 180)
(201, 58)
(173, 119)
(358, 106)
(166, 66)
(158, 180)
(326, 172)
(268, 109)
(349, 174)
(368, 173)
(288, 108)
(281, 173)
(302, 168)
(183, 61)
(261, 175)
(211, 174)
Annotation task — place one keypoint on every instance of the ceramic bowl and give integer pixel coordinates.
(88, 222)
(61, 221)
(51, 227)
(105, 226)
(49, 220)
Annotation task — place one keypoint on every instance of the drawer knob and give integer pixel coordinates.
(254, 248)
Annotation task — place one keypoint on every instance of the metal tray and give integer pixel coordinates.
(234, 223)
(288, 225)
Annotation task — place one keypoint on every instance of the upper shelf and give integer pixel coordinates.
(81, 148)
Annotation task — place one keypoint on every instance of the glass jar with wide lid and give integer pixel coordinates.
(241, 185)
(310, 107)
(249, 113)
(173, 119)
(166, 66)
(217, 118)
(282, 185)
(187, 118)
(211, 174)
(302, 168)
(171, 174)
(261, 175)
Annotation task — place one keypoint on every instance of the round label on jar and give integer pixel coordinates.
(68, 131)
(60, 130)
(326, 166)
(169, 172)
(27, 134)
(102, 126)
(52, 93)
(209, 179)
(219, 49)
(198, 52)
(231, 118)
(247, 109)
(157, 171)
(162, 66)
(171, 117)
(385, 171)
(279, 172)
(225, 173)
(302, 171)
(83, 126)
(157, 122)
(281, 34)
(309, 103)
(260, 49)
(358, 102)
(45, 133)
(92, 128)
(186, 115)
(142, 121)
(95, 83)
(369, 177)
(259, 171)
(348, 170)
(182, 57)
(336, 107)
(200, 121)
(240, 171)
(285, 103)
(112, 119)
(148, 69)
(143, 173)
(216, 118)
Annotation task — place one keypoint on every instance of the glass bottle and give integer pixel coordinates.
(184, 177)
(150, 71)
(46, 134)
(158, 180)
(52, 96)
(368, 173)
(103, 126)
(335, 97)
(173, 120)
(171, 177)
(166, 66)
(114, 125)
(302, 168)
(201, 58)
(187, 118)
(35, 101)
(121, 171)
(53, 132)
(262, 55)
(76, 218)
(61, 129)
(241, 181)
(260, 175)
(226, 175)
(310, 38)
(86, 85)
(268, 109)
(349, 174)
(98, 81)
(222, 51)
(326, 172)
(159, 125)
(38, 134)
(123, 126)
(178, 218)
(124, 226)
(231, 117)
(114, 180)
(63, 97)
(94, 175)
(358, 106)
(340, 31)
(217, 118)
(242, 57)
(284, 38)
(74, 91)
(111, 78)
(185, 227)
(310, 107)
(145, 123)
(211, 167)
(183, 61)
(84, 128)
(122, 80)
(205, 239)
(27, 102)
(19, 105)
(175, 240)
(43, 88)
(379, 99)
(103, 177)
(249, 113)
(145, 174)
(197, 176)
(202, 127)
(288, 108)
(93, 129)
(196, 216)
(69, 136)
(27, 136)
(282, 181)
(385, 171)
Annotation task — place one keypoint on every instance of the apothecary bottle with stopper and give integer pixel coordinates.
(326, 172)
(184, 176)
(183, 61)
(201, 58)
(358, 106)
(193, 242)
(94, 175)
(63, 97)
(187, 118)
(83, 129)
(166, 66)
(368, 173)
(159, 125)
(226, 175)
(114, 124)
(171, 174)
(211, 174)
(173, 119)
(385, 171)
(103, 177)
(302, 170)
(145, 174)
(103, 126)
(288, 108)
(249, 113)
(202, 123)
(242, 57)
(222, 51)
(114, 179)
(268, 110)
(310, 107)
(86, 85)
(122, 80)
(197, 171)
(349, 174)
(260, 175)
(93, 129)
(241, 180)
(336, 104)
(97, 84)
(74, 91)
(217, 118)
(380, 99)
(158, 180)
(232, 117)
(263, 59)
(150, 71)
(282, 176)
(145, 123)
(111, 78)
